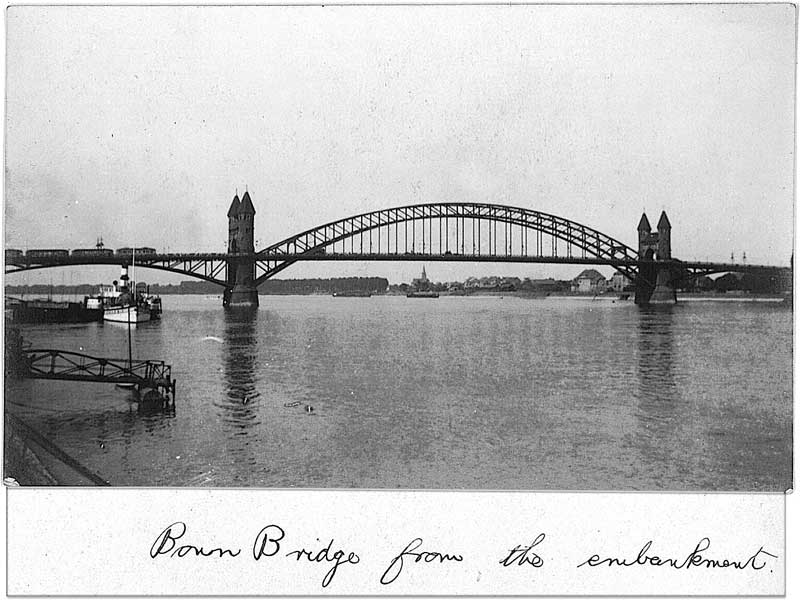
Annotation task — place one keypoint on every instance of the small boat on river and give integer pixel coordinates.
(127, 313)
(423, 294)
(50, 311)
(353, 293)
(124, 303)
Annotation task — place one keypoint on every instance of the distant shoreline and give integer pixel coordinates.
(736, 295)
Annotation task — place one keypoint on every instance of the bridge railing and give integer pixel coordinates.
(51, 364)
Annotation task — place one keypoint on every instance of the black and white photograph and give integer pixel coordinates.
(459, 248)
(399, 299)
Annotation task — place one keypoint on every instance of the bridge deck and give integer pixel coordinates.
(162, 258)
(213, 267)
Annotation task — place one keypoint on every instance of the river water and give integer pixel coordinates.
(452, 393)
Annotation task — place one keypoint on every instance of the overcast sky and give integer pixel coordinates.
(137, 124)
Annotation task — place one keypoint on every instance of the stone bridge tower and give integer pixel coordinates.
(656, 283)
(241, 290)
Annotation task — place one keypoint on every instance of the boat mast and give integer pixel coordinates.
(130, 354)
(132, 292)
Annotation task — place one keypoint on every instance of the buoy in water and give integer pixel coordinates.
(309, 409)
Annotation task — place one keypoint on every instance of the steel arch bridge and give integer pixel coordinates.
(455, 231)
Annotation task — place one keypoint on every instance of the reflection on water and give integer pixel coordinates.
(239, 407)
(476, 393)
(656, 373)
(658, 406)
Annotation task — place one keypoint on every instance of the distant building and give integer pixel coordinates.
(589, 281)
(509, 284)
(422, 282)
(546, 285)
(619, 281)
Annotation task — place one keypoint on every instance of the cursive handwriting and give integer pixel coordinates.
(521, 556)
(396, 566)
(695, 558)
(272, 541)
(268, 541)
(323, 555)
(165, 545)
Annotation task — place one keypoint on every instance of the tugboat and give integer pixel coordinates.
(125, 303)
(152, 301)
(122, 305)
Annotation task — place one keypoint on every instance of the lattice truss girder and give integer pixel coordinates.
(588, 241)
(205, 266)
(212, 270)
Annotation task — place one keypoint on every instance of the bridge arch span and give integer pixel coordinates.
(458, 229)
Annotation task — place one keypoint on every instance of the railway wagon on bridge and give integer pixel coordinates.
(143, 250)
(92, 252)
(46, 253)
(12, 254)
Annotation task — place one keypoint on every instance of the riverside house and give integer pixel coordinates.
(589, 281)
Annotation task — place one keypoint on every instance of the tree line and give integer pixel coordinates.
(299, 286)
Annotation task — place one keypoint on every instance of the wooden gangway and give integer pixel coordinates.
(52, 364)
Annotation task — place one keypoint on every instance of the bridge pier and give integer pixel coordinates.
(664, 291)
(656, 284)
(241, 290)
(243, 295)
(645, 284)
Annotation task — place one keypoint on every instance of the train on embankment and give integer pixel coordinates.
(13, 254)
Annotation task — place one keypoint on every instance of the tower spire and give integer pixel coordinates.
(246, 207)
(235, 205)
